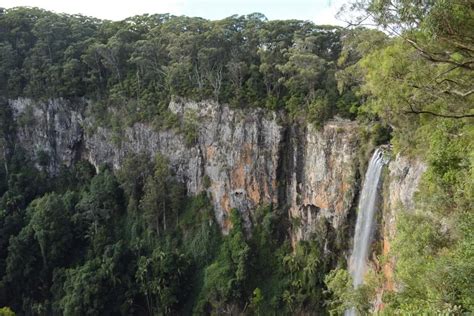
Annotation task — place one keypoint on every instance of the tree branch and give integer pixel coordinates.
(459, 93)
(450, 81)
(431, 57)
(448, 90)
(447, 71)
(449, 116)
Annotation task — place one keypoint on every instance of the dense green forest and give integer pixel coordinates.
(141, 62)
(132, 241)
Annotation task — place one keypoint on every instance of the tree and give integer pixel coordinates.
(6, 133)
(225, 279)
(344, 296)
(161, 278)
(132, 175)
(50, 221)
(256, 301)
(154, 203)
(99, 207)
(7, 65)
(439, 38)
(304, 70)
(98, 286)
(6, 311)
(24, 276)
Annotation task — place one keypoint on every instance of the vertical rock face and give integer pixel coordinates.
(52, 128)
(405, 175)
(243, 158)
(322, 180)
(400, 186)
(237, 154)
(106, 147)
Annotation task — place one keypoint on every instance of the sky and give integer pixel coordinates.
(318, 11)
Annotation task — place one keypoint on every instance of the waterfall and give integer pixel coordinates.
(365, 221)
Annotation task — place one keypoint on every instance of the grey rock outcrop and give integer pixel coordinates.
(322, 182)
(243, 158)
(400, 186)
(53, 128)
(405, 175)
(236, 153)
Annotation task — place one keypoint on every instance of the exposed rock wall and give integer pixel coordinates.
(322, 176)
(236, 153)
(243, 158)
(53, 127)
(400, 186)
(404, 176)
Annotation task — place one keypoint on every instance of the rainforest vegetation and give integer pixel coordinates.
(131, 241)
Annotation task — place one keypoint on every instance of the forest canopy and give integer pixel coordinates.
(131, 241)
(142, 61)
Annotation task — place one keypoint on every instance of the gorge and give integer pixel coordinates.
(243, 161)
(173, 165)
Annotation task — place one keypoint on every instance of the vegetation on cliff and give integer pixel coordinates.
(420, 82)
(132, 242)
(132, 68)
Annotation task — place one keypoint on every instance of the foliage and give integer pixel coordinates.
(344, 297)
(434, 245)
(225, 278)
(6, 311)
(132, 68)
(133, 241)
(420, 84)
(118, 257)
(160, 279)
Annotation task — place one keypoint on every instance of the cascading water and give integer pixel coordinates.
(365, 221)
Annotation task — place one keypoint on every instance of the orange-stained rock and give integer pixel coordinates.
(239, 156)
(322, 184)
(210, 152)
(388, 266)
(400, 187)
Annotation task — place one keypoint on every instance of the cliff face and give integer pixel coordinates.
(322, 176)
(242, 158)
(400, 186)
(234, 156)
(54, 128)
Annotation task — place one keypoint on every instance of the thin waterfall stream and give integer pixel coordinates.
(365, 221)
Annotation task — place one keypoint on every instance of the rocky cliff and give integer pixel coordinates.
(242, 158)
(322, 176)
(52, 129)
(400, 186)
(234, 156)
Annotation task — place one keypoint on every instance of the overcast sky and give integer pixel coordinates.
(318, 11)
